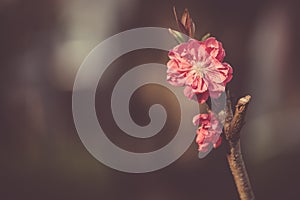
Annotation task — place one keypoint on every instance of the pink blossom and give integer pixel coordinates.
(208, 133)
(200, 68)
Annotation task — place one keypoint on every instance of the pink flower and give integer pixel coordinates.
(199, 67)
(208, 133)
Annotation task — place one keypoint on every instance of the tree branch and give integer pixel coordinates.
(232, 127)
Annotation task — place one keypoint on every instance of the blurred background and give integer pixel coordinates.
(43, 43)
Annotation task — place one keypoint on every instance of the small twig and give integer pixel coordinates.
(232, 127)
(237, 121)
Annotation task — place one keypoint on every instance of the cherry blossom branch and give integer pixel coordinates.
(200, 83)
(232, 127)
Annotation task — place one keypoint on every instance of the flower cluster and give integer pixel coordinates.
(199, 66)
(208, 133)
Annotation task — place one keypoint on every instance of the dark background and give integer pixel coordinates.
(43, 44)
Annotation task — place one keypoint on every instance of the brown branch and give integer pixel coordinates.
(232, 127)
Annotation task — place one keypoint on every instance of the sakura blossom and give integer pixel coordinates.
(199, 66)
(208, 133)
